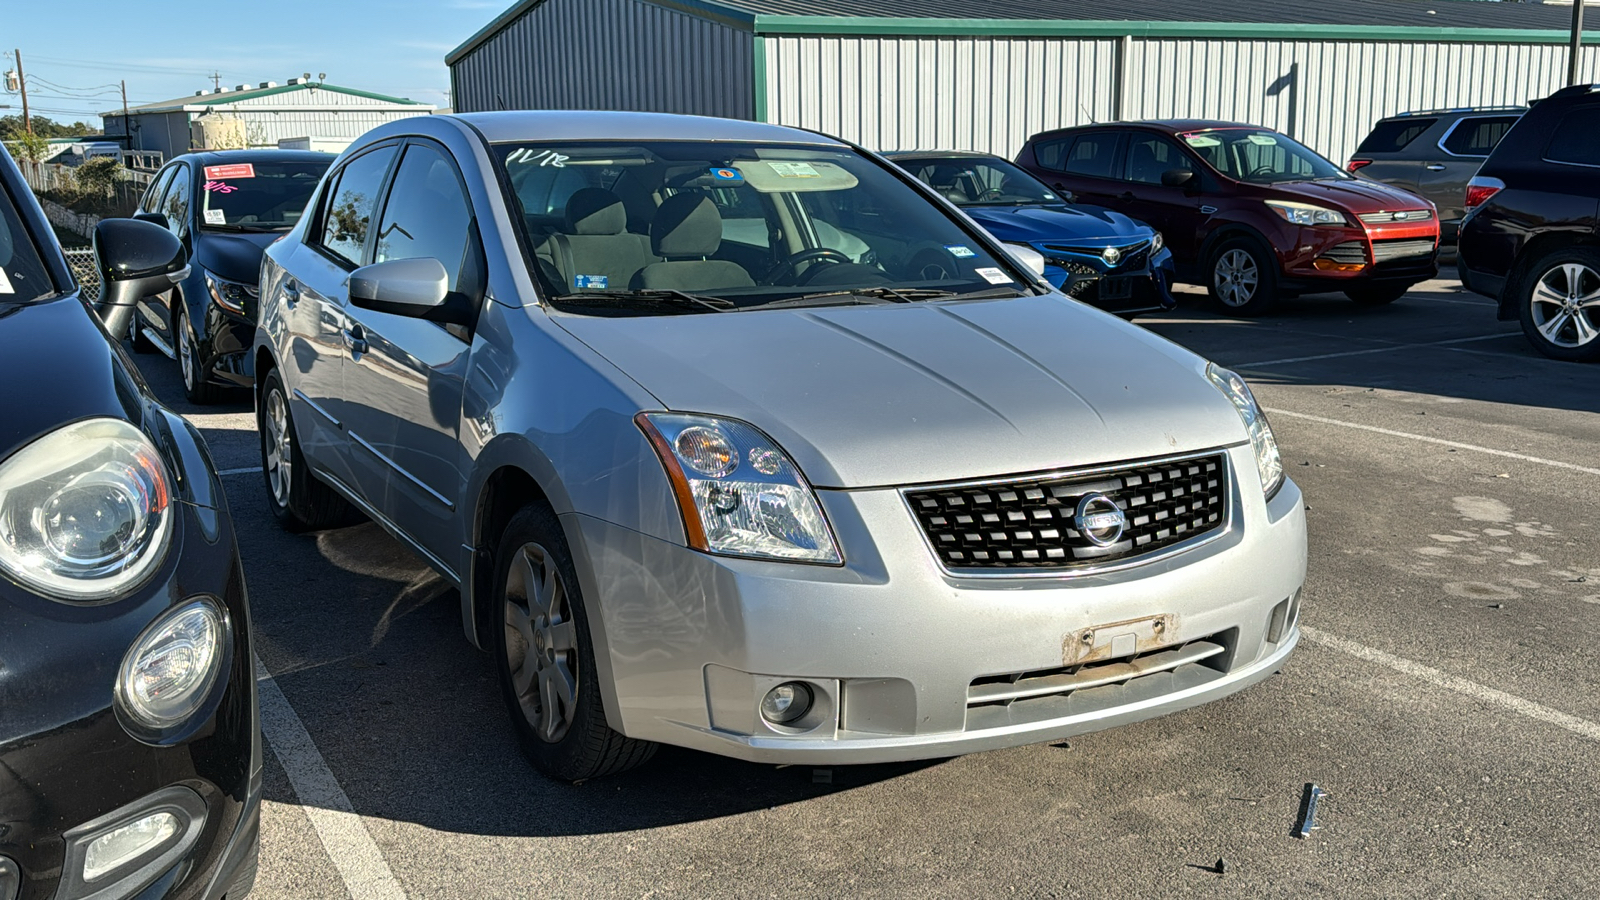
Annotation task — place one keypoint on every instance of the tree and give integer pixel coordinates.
(31, 147)
(12, 127)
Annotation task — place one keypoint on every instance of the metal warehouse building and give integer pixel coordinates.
(909, 74)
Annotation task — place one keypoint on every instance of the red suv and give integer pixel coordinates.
(1247, 212)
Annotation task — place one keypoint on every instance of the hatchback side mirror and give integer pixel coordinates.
(1178, 177)
(415, 288)
(136, 259)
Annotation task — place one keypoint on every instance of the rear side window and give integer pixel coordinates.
(1574, 139)
(349, 209)
(1477, 136)
(1393, 135)
(1051, 154)
(1094, 155)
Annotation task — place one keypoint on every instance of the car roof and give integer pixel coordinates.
(1457, 111)
(261, 155)
(1166, 126)
(940, 154)
(592, 125)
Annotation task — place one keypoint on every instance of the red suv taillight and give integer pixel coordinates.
(1355, 164)
(1481, 188)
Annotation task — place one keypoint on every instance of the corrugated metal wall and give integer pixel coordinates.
(992, 93)
(610, 54)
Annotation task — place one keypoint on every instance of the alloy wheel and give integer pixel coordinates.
(1563, 301)
(279, 456)
(1236, 277)
(541, 642)
(185, 354)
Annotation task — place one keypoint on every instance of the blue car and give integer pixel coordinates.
(1092, 254)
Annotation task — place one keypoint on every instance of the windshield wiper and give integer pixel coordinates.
(891, 295)
(248, 229)
(662, 296)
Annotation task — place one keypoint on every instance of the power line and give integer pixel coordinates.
(198, 72)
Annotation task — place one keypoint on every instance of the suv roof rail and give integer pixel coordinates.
(1460, 109)
(1574, 90)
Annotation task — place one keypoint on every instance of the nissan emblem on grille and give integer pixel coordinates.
(1100, 519)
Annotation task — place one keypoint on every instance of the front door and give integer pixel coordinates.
(1179, 213)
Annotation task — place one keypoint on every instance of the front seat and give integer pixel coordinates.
(1143, 165)
(687, 231)
(596, 244)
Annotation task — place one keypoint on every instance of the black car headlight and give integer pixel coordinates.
(230, 295)
(85, 511)
(169, 672)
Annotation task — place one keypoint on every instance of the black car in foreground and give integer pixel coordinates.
(1529, 237)
(130, 752)
(226, 207)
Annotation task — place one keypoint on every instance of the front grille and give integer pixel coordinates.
(1030, 523)
(1404, 217)
(1349, 253)
(1135, 256)
(1383, 251)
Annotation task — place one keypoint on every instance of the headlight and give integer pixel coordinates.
(169, 671)
(230, 295)
(739, 493)
(1306, 214)
(85, 511)
(1156, 243)
(1268, 463)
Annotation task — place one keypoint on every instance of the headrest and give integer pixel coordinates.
(686, 225)
(596, 211)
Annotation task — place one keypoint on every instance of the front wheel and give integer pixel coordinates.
(197, 385)
(545, 656)
(298, 500)
(1377, 295)
(1559, 305)
(1244, 277)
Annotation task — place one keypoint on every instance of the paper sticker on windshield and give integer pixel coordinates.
(959, 251)
(216, 217)
(794, 169)
(1264, 140)
(5, 283)
(1200, 140)
(726, 175)
(994, 276)
(233, 170)
(590, 281)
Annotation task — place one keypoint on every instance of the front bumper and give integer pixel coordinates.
(892, 644)
(225, 347)
(1309, 265)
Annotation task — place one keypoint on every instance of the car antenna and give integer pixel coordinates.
(1092, 119)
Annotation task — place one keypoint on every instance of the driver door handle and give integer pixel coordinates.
(355, 340)
(291, 292)
(1126, 195)
(1434, 167)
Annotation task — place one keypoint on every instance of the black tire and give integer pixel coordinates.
(556, 643)
(197, 384)
(1559, 326)
(299, 501)
(141, 344)
(1377, 294)
(1227, 273)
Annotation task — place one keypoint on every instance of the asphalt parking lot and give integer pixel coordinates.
(1442, 695)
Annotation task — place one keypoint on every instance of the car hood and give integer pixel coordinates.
(58, 343)
(893, 395)
(236, 257)
(1030, 224)
(1357, 196)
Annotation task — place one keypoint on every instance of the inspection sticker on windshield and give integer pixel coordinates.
(994, 276)
(5, 283)
(726, 175)
(1200, 140)
(232, 170)
(959, 251)
(1263, 140)
(794, 169)
(216, 217)
(590, 281)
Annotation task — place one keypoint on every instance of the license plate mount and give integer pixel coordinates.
(1116, 288)
(1116, 640)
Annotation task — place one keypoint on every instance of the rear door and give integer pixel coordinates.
(1087, 163)
(1391, 151)
(1443, 177)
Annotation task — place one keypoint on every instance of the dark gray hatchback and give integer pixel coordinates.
(1434, 154)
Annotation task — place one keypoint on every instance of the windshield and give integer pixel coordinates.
(978, 181)
(22, 273)
(1261, 156)
(702, 227)
(260, 196)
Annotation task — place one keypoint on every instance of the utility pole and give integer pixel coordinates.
(216, 80)
(1573, 53)
(127, 132)
(23, 81)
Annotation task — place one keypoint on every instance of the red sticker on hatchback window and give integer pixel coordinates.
(234, 170)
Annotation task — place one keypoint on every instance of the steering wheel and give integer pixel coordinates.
(992, 194)
(1262, 170)
(815, 254)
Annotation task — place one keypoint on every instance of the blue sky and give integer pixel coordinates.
(72, 50)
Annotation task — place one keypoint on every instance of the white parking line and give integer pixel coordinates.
(247, 470)
(1554, 463)
(1390, 349)
(1511, 702)
(344, 836)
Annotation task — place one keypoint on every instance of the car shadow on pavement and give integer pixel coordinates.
(366, 644)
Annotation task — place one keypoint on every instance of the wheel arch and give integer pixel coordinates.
(1531, 253)
(1223, 234)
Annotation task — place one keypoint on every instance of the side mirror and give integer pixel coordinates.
(1029, 258)
(154, 218)
(1177, 177)
(1063, 193)
(136, 259)
(416, 288)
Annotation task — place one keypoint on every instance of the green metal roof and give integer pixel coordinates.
(226, 97)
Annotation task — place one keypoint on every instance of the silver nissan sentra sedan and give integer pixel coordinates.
(737, 437)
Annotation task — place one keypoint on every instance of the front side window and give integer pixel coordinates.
(176, 204)
(427, 214)
(1151, 157)
(349, 208)
(1573, 140)
(1478, 136)
(261, 196)
(152, 195)
(691, 226)
(1094, 155)
(1260, 156)
(976, 181)
(22, 273)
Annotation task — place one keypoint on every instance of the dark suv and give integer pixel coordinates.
(1246, 211)
(1434, 153)
(1529, 239)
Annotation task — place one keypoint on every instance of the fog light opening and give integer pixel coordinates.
(787, 703)
(126, 843)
